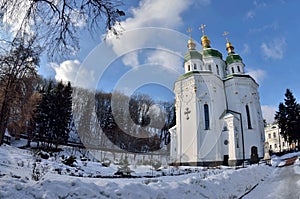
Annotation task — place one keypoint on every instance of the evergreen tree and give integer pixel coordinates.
(54, 114)
(288, 117)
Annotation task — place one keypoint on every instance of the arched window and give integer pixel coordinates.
(248, 117)
(232, 70)
(218, 72)
(206, 116)
(195, 66)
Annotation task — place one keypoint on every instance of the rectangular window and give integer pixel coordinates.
(269, 136)
(206, 116)
(248, 117)
(195, 66)
(218, 72)
(209, 67)
(274, 135)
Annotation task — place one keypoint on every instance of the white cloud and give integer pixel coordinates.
(168, 60)
(274, 49)
(250, 14)
(272, 26)
(246, 49)
(151, 28)
(71, 70)
(157, 13)
(131, 59)
(66, 71)
(258, 74)
(260, 4)
(268, 113)
(149, 13)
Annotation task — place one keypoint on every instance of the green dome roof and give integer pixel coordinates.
(192, 54)
(209, 52)
(232, 58)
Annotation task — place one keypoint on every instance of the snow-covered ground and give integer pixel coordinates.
(23, 175)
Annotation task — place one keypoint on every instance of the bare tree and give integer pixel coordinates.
(57, 23)
(18, 64)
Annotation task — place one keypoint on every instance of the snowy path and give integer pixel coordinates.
(284, 183)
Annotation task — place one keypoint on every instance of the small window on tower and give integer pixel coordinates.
(239, 69)
(195, 66)
(218, 72)
(274, 135)
(209, 67)
(232, 70)
(189, 67)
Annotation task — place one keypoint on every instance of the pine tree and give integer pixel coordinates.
(54, 114)
(281, 119)
(288, 117)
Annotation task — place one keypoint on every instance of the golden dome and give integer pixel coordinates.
(191, 44)
(205, 41)
(229, 48)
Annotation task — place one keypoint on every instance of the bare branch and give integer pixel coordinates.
(56, 23)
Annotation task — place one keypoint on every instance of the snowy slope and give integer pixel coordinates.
(16, 181)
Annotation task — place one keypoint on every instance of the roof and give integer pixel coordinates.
(209, 52)
(192, 54)
(233, 58)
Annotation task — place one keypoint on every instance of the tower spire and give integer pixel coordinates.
(204, 39)
(229, 46)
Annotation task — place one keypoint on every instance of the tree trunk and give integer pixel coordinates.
(3, 120)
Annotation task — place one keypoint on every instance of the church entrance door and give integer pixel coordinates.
(254, 156)
(225, 160)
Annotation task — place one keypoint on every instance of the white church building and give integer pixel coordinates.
(218, 113)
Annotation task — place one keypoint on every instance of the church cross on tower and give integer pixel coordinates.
(202, 27)
(189, 30)
(225, 35)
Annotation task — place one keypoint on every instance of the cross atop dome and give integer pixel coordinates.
(191, 44)
(204, 39)
(202, 27)
(225, 35)
(229, 46)
(190, 30)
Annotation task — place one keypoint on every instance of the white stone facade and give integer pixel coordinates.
(218, 113)
(276, 143)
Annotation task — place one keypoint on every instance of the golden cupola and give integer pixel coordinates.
(191, 44)
(229, 48)
(205, 41)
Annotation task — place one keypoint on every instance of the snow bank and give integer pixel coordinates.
(16, 181)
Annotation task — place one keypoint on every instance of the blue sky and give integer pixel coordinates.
(264, 32)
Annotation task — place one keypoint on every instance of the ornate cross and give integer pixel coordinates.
(202, 28)
(189, 30)
(225, 35)
(187, 112)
